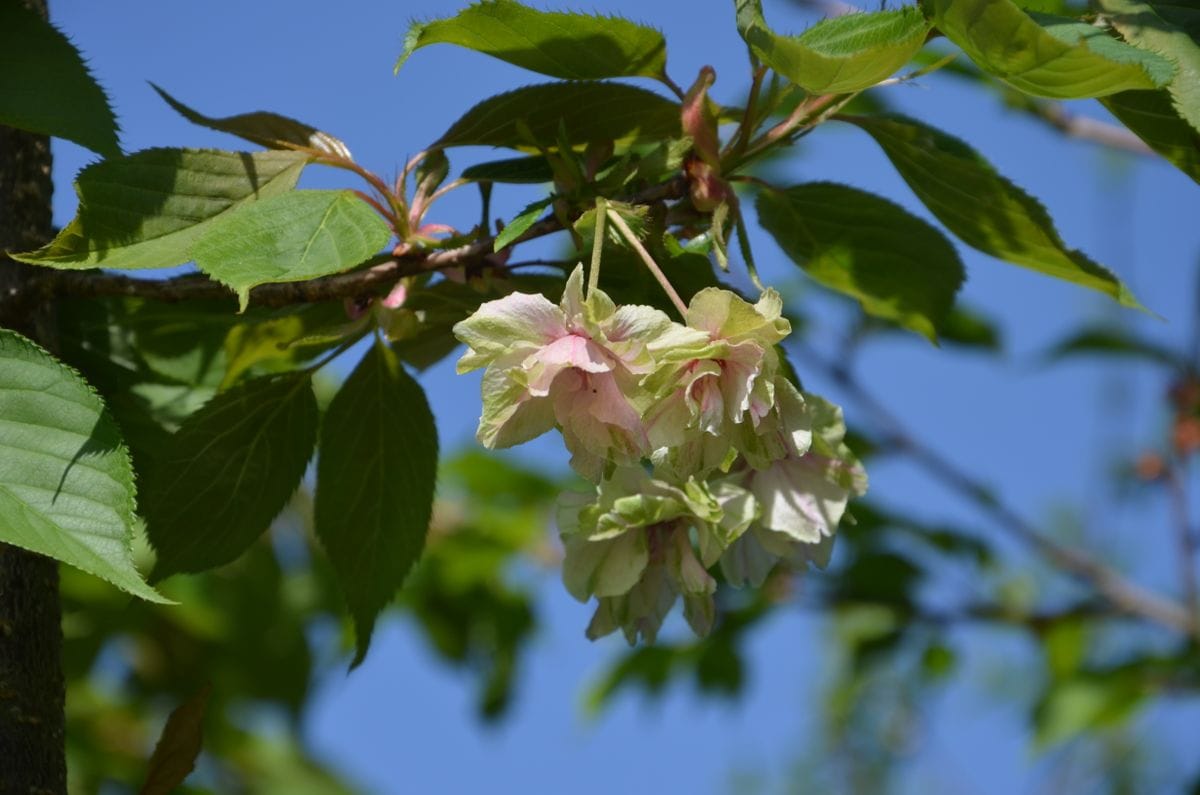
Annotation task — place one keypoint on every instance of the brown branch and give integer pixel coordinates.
(1121, 592)
(1185, 539)
(367, 281)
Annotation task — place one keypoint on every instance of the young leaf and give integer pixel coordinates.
(1151, 116)
(266, 129)
(375, 481)
(146, 210)
(1006, 42)
(66, 485)
(178, 746)
(521, 223)
(896, 265)
(1141, 24)
(586, 112)
(300, 235)
(839, 55)
(45, 87)
(228, 472)
(570, 46)
(983, 208)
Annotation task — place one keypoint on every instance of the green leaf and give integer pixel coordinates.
(178, 746)
(286, 338)
(1152, 117)
(532, 170)
(839, 55)
(228, 472)
(66, 485)
(146, 210)
(375, 481)
(1142, 25)
(570, 46)
(521, 223)
(983, 208)
(300, 235)
(896, 265)
(263, 128)
(45, 87)
(1113, 342)
(586, 112)
(1085, 703)
(1006, 42)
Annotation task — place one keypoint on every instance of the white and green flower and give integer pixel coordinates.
(575, 365)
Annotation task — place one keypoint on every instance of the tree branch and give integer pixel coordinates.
(1088, 129)
(377, 278)
(1121, 592)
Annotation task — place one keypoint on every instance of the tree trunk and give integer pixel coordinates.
(32, 734)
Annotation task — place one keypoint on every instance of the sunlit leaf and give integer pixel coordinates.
(567, 45)
(148, 209)
(66, 485)
(896, 265)
(586, 112)
(300, 235)
(1141, 24)
(520, 223)
(981, 207)
(266, 129)
(46, 88)
(375, 480)
(838, 55)
(1007, 43)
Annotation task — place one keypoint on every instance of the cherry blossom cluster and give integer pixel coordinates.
(703, 454)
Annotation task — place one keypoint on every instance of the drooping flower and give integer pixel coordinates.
(576, 365)
(711, 383)
(803, 497)
(630, 545)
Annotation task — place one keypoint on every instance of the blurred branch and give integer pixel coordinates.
(1088, 129)
(92, 284)
(1185, 539)
(982, 612)
(830, 8)
(1125, 595)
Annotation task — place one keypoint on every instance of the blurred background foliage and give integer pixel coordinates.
(263, 630)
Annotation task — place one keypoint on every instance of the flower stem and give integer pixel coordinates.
(631, 238)
(597, 245)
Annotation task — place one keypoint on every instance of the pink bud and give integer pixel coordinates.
(395, 299)
(699, 121)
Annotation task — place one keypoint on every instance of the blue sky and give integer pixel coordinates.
(1045, 437)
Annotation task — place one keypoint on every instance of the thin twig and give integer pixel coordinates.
(1124, 594)
(1185, 539)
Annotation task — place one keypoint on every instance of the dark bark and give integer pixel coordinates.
(32, 734)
